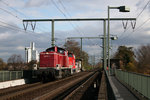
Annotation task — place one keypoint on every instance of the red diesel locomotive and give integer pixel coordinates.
(55, 62)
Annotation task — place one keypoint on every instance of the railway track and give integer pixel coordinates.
(78, 93)
(61, 89)
(11, 90)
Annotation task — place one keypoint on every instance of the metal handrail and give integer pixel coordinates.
(10, 75)
(139, 82)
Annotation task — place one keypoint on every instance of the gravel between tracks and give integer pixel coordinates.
(62, 88)
(79, 92)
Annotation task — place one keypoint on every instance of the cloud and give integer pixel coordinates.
(14, 40)
(96, 48)
(37, 3)
(4, 36)
(20, 48)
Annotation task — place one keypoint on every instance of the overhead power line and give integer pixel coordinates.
(76, 27)
(64, 7)
(10, 13)
(59, 8)
(17, 12)
(12, 27)
(143, 9)
(65, 14)
(13, 8)
(139, 25)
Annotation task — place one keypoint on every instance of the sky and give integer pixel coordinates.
(13, 37)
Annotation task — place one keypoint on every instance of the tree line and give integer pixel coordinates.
(130, 60)
(16, 62)
(134, 60)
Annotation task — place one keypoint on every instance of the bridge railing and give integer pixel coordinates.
(10, 75)
(139, 82)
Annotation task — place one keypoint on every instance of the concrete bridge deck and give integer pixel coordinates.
(120, 91)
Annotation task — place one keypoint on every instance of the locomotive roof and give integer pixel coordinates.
(70, 53)
(57, 47)
(61, 48)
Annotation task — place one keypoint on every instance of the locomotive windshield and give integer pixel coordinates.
(50, 49)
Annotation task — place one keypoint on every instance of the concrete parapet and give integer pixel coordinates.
(13, 83)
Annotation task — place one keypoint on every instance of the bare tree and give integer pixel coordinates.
(15, 62)
(2, 64)
(32, 64)
(143, 59)
(73, 46)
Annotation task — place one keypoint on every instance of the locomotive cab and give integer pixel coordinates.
(54, 57)
(55, 61)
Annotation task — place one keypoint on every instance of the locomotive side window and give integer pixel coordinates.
(60, 50)
(50, 49)
(70, 55)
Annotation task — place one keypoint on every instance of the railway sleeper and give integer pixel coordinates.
(77, 91)
(85, 91)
